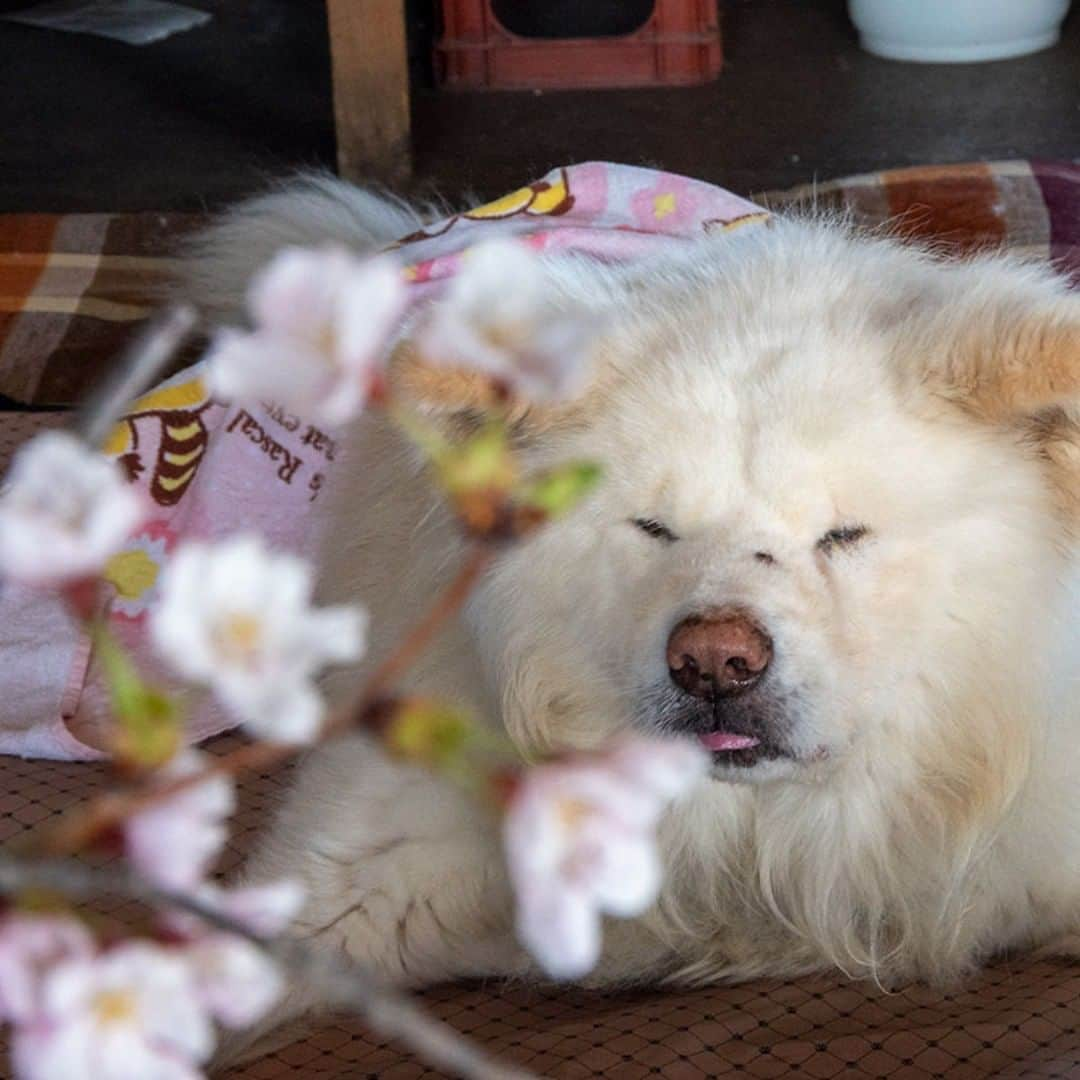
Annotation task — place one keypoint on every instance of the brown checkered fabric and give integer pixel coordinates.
(71, 288)
(1018, 1019)
(1029, 207)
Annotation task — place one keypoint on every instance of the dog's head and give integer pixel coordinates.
(838, 476)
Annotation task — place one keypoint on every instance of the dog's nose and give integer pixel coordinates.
(718, 655)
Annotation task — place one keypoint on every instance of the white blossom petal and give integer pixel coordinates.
(502, 315)
(258, 366)
(64, 512)
(365, 325)
(296, 294)
(132, 1013)
(173, 842)
(236, 980)
(265, 909)
(322, 326)
(561, 928)
(29, 946)
(668, 767)
(580, 840)
(294, 714)
(237, 617)
(626, 878)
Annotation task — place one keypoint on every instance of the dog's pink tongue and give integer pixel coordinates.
(726, 740)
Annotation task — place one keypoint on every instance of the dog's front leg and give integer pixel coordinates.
(403, 873)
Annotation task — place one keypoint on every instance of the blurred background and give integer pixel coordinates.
(206, 115)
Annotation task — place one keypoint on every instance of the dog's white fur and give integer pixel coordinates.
(755, 390)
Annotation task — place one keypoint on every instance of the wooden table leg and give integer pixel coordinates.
(371, 88)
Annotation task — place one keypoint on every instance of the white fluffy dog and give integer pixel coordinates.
(842, 483)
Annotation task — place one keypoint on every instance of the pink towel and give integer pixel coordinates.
(211, 469)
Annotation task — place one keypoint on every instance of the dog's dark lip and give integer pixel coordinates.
(725, 722)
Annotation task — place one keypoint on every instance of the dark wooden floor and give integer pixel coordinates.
(203, 117)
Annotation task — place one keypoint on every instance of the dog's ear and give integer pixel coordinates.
(455, 399)
(1008, 347)
(1004, 345)
(437, 389)
(458, 399)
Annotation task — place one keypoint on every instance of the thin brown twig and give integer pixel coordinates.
(82, 825)
(140, 365)
(343, 984)
(417, 640)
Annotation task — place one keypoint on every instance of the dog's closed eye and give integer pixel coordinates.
(843, 536)
(656, 529)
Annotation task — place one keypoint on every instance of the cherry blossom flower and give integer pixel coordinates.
(236, 980)
(174, 841)
(64, 512)
(237, 617)
(132, 1011)
(264, 909)
(501, 316)
(579, 839)
(29, 946)
(322, 323)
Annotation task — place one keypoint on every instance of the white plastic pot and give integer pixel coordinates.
(957, 31)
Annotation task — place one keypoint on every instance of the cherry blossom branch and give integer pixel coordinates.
(69, 511)
(388, 1012)
(139, 368)
(417, 640)
(82, 825)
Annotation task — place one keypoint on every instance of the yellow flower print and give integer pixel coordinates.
(134, 572)
(663, 205)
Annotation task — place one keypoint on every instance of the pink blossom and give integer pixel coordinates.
(237, 617)
(63, 512)
(129, 1013)
(579, 838)
(29, 946)
(264, 909)
(501, 315)
(322, 321)
(236, 980)
(664, 767)
(173, 842)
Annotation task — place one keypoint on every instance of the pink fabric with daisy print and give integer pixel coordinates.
(210, 470)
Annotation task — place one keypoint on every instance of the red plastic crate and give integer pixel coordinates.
(678, 45)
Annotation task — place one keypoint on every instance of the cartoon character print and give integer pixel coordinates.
(713, 225)
(542, 198)
(178, 413)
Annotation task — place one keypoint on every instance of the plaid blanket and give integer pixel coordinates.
(72, 286)
(1030, 207)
